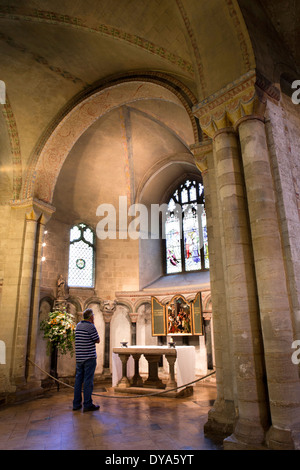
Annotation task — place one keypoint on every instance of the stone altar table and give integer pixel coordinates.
(126, 376)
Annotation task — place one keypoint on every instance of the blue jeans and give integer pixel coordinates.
(84, 375)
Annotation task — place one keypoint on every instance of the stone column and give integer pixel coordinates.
(34, 318)
(242, 107)
(153, 380)
(108, 308)
(282, 374)
(24, 297)
(19, 305)
(222, 416)
(124, 382)
(241, 294)
(133, 317)
(136, 380)
(171, 383)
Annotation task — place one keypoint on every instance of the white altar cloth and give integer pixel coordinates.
(184, 365)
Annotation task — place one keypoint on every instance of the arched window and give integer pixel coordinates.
(81, 256)
(185, 229)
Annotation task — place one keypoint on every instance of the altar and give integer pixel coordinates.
(126, 375)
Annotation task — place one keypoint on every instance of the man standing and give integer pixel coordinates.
(86, 337)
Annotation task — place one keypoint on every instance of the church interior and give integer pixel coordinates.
(149, 163)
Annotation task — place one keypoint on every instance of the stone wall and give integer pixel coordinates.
(116, 262)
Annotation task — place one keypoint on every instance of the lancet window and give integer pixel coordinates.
(81, 256)
(186, 244)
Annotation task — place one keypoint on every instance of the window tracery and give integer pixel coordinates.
(81, 256)
(186, 241)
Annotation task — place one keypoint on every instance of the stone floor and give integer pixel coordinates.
(147, 423)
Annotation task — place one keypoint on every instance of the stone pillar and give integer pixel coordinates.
(133, 317)
(153, 381)
(136, 380)
(24, 297)
(222, 416)
(241, 294)
(171, 380)
(242, 107)
(19, 303)
(34, 319)
(108, 308)
(277, 328)
(124, 382)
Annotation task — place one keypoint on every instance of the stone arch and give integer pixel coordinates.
(91, 300)
(14, 142)
(76, 302)
(150, 175)
(47, 298)
(206, 302)
(120, 325)
(57, 141)
(127, 304)
(141, 302)
(42, 356)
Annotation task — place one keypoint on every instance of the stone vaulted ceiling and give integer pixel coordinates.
(54, 52)
(284, 16)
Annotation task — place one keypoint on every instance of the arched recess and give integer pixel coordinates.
(92, 300)
(56, 143)
(156, 188)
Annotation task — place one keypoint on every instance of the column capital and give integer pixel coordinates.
(242, 99)
(108, 308)
(201, 152)
(133, 316)
(35, 209)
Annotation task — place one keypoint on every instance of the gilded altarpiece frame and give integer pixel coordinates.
(178, 317)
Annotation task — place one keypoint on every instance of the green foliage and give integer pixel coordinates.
(59, 329)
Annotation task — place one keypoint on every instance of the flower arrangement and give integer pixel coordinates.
(59, 329)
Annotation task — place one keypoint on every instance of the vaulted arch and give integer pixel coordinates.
(58, 140)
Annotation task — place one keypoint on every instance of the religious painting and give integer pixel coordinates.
(197, 315)
(179, 316)
(158, 318)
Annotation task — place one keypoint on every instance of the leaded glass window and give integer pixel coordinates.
(81, 256)
(185, 229)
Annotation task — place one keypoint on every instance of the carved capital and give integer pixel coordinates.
(201, 152)
(35, 209)
(133, 316)
(108, 308)
(242, 99)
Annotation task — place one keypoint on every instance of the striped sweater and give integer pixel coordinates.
(85, 337)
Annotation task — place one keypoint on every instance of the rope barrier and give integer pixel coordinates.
(126, 396)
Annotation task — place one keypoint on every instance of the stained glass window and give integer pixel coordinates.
(186, 230)
(81, 256)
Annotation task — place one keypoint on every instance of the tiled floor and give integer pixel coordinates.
(148, 423)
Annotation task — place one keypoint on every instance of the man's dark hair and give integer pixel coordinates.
(87, 313)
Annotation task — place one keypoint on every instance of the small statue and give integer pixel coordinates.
(61, 294)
